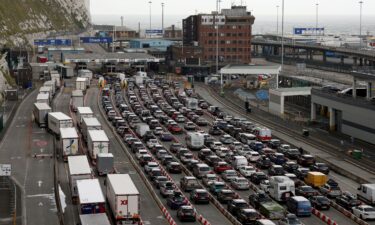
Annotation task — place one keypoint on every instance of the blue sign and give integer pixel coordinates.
(54, 42)
(262, 95)
(308, 31)
(95, 40)
(154, 32)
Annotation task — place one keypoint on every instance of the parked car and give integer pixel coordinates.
(174, 147)
(203, 153)
(330, 190)
(290, 166)
(208, 179)
(276, 170)
(257, 177)
(166, 136)
(174, 167)
(190, 126)
(248, 216)
(240, 183)
(263, 163)
(188, 183)
(306, 160)
(292, 153)
(216, 186)
(221, 167)
(320, 202)
(320, 167)
(229, 175)
(167, 189)
(246, 171)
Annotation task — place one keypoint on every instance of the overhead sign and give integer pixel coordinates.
(5, 170)
(154, 32)
(64, 42)
(96, 40)
(308, 31)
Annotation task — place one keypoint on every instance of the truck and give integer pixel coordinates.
(263, 134)
(90, 123)
(86, 74)
(139, 80)
(366, 193)
(69, 142)
(43, 98)
(83, 112)
(79, 169)
(105, 163)
(272, 210)
(316, 179)
(94, 219)
(141, 129)
(40, 113)
(192, 103)
(57, 120)
(65, 71)
(90, 197)
(281, 188)
(46, 90)
(81, 83)
(195, 140)
(97, 142)
(51, 84)
(77, 100)
(123, 198)
(55, 77)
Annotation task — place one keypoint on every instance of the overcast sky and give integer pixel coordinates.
(259, 7)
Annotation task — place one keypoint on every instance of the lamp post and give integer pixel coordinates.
(282, 44)
(162, 17)
(277, 20)
(317, 19)
(216, 23)
(360, 23)
(150, 2)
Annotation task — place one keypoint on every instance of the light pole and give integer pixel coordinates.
(150, 2)
(360, 23)
(277, 20)
(216, 23)
(162, 17)
(317, 19)
(282, 43)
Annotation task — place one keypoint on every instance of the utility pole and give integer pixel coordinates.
(360, 23)
(317, 20)
(217, 22)
(162, 17)
(282, 44)
(122, 21)
(277, 21)
(150, 17)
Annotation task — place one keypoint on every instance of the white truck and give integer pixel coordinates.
(84, 112)
(90, 196)
(57, 120)
(69, 142)
(366, 193)
(281, 188)
(46, 90)
(40, 113)
(90, 123)
(195, 140)
(81, 83)
(123, 198)
(97, 142)
(55, 77)
(79, 169)
(51, 84)
(43, 98)
(86, 74)
(77, 100)
(141, 129)
(94, 219)
(191, 103)
(139, 80)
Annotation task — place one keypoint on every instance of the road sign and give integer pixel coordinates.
(95, 40)
(160, 32)
(308, 31)
(5, 170)
(54, 42)
(262, 95)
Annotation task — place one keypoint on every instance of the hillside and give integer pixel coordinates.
(22, 20)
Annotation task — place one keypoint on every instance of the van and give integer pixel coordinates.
(316, 179)
(201, 169)
(239, 161)
(366, 193)
(299, 205)
(247, 138)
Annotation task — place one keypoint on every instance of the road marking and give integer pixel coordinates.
(40, 183)
(160, 217)
(42, 150)
(40, 204)
(41, 195)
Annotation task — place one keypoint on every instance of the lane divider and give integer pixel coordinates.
(348, 214)
(323, 217)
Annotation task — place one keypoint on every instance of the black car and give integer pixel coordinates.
(208, 140)
(203, 153)
(320, 202)
(225, 195)
(257, 177)
(235, 205)
(263, 163)
(292, 153)
(174, 147)
(215, 131)
(301, 173)
(347, 200)
(174, 167)
(274, 143)
(290, 166)
(320, 167)
(306, 160)
(257, 198)
(248, 216)
(306, 191)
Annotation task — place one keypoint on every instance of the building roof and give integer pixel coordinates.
(122, 184)
(94, 219)
(245, 69)
(110, 28)
(109, 57)
(89, 191)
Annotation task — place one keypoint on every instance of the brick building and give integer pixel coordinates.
(172, 32)
(234, 39)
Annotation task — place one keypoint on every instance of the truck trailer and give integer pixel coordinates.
(43, 98)
(69, 142)
(281, 188)
(83, 112)
(57, 120)
(123, 197)
(79, 169)
(105, 163)
(46, 90)
(55, 77)
(40, 113)
(77, 100)
(94, 219)
(97, 142)
(81, 83)
(90, 123)
(90, 197)
(52, 84)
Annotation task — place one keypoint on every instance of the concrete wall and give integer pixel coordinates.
(357, 121)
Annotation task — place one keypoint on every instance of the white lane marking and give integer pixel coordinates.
(40, 183)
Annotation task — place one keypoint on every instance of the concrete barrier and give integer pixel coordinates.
(348, 214)
(323, 217)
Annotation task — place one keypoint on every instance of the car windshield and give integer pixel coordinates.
(204, 168)
(322, 199)
(219, 186)
(251, 215)
(307, 189)
(241, 204)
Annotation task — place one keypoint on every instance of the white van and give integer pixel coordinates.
(201, 169)
(239, 161)
(366, 193)
(195, 140)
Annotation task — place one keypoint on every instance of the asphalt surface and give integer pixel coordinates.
(343, 181)
(34, 176)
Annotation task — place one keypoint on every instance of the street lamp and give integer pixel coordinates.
(282, 44)
(317, 17)
(162, 17)
(277, 20)
(217, 22)
(150, 17)
(360, 23)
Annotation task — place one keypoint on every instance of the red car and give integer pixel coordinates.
(221, 167)
(174, 128)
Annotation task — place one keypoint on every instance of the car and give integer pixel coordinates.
(222, 152)
(301, 172)
(306, 160)
(278, 158)
(234, 206)
(240, 183)
(256, 145)
(201, 122)
(283, 148)
(150, 165)
(216, 145)
(320, 167)
(364, 212)
(208, 140)
(199, 196)
(306, 191)
(203, 153)
(225, 195)
(186, 213)
(290, 166)
(229, 175)
(214, 130)
(347, 200)
(248, 216)
(257, 198)
(292, 153)
(246, 171)
(160, 180)
(189, 183)
(221, 167)
(207, 179)
(151, 143)
(180, 119)
(265, 185)
(167, 189)
(190, 126)
(212, 159)
(330, 190)
(186, 157)
(140, 153)
(158, 131)
(253, 156)
(181, 152)
(226, 139)
(290, 219)
(145, 159)
(276, 170)
(176, 200)
(174, 147)
(190, 165)
(263, 163)
(236, 146)
(165, 136)
(217, 186)
(161, 153)
(167, 159)
(274, 143)
(257, 177)
(174, 167)
(174, 128)
(155, 172)
(320, 202)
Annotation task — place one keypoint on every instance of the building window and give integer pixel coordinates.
(222, 34)
(234, 27)
(222, 20)
(210, 42)
(240, 49)
(239, 41)
(210, 50)
(210, 34)
(222, 42)
(222, 49)
(228, 49)
(227, 42)
(228, 34)
(240, 34)
(234, 41)
(234, 49)
(234, 35)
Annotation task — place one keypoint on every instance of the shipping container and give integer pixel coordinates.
(90, 196)
(81, 83)
(94, 219)
(123, 197)
(84, 112)
(46, 90)
(86, 74)
(55, 77)
(57, 120)
(77, 100)
(40, 113)
(105, 163)
(43, 98)
(89, 124)
(51, 84)
(97, 142)
(79, 169)
(69, 142)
